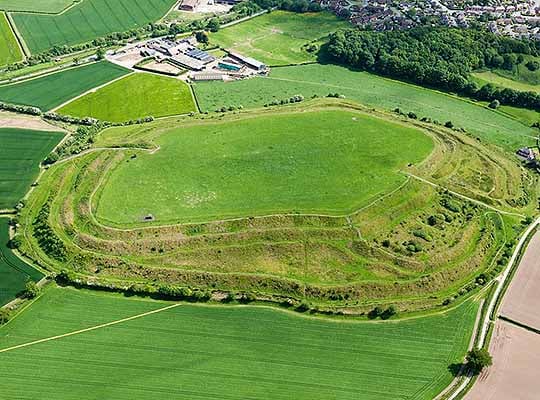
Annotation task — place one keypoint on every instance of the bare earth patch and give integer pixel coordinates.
(522, 301)
(514, 374)
(10, 120)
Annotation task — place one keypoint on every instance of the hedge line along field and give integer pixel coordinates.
(86, 21)
(223, 352)
(14, 272)
(135, 96)
(10, 51)
(41, 6)
(21, 151)
(371, 90)
(271, 164)
(278, 38)
(50, 91)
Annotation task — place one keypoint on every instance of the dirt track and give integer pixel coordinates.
(522, 301)
(515, 371)
(10, 120)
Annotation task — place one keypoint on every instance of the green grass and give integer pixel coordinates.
(87, 20)
(41, 6)
(492, 77)
(215, 352)
(135, 96)
(10, 51)
(310, 162)
(277, 38)
(371, 90)
(14, 272)
(50, 91)
(21, 151)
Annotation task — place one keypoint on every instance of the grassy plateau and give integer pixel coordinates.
(14, 272)
(329, 162)
(394, 238)
(213, 352)
(20, 154)
(371, 90)
(135, 96)
(87, 20)
(50, 91)
(10, 51)
(278, 38)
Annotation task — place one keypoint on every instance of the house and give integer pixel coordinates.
(184, 61)
(207, 76)
(229, 66)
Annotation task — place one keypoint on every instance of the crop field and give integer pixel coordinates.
(14, 272)
(279, 38)
(20, 154)
(9, 48)
(50, 91)
(393, 231)
(371, 90)
(86, 21)
(270, 165)
(135, 96)
(211, 352)
(41, 6)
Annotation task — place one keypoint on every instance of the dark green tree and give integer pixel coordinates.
(478, 359)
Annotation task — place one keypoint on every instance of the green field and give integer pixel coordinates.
(278, 38)
(214, 352)
(327, 162)
(86, 21)
(41, 6)
(52, 90)
(371, 90)
(10, 51)
(13, 271)
(135, 96)
(491, 77)
(21, 151)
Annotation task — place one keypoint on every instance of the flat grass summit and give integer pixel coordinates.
(326, 162)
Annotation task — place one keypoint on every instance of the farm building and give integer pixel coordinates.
(228, 66)
(250, 62)
(207, 76)
(526, 153)
(187, 62)
(189, 5)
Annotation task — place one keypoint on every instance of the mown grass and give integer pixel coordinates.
(327, 162)
(371, 90)
(50, 91)
(135, 96)
(41, 6)
(215, 352)
(14, 272)
(21, 151)
(278, 38)
(87, 20)
(10, 51)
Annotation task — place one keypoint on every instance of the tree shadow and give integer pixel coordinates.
(456, 368)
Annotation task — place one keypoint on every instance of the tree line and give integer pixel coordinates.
(439, 57)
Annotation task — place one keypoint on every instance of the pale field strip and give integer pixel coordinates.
(93, 328)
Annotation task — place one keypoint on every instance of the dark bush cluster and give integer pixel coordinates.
(45, 236)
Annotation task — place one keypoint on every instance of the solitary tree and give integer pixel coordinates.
(202, 37)
(478, 359)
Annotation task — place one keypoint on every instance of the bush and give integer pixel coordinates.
(532, 65)
(31, 290)
(389, 312)
(494, 104)
(477, 360)
(4, 316)
(15, 243)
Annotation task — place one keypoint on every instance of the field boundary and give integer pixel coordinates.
(25, 51)
(93, 328)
